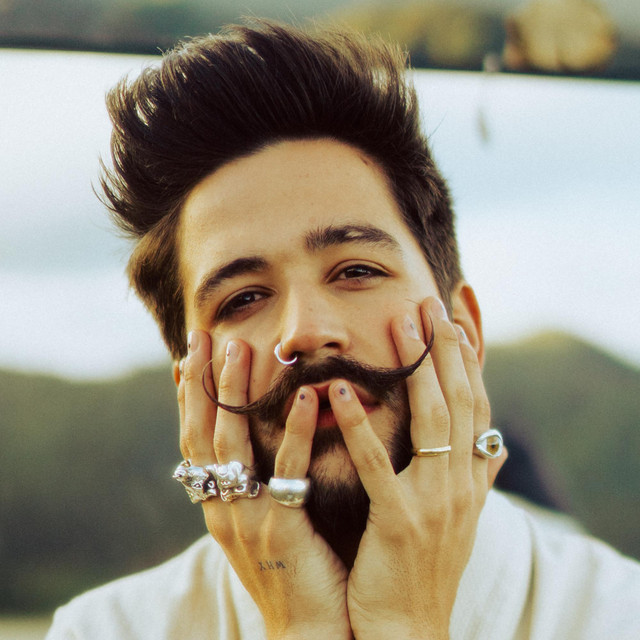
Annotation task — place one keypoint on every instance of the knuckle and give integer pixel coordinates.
(191, 372)
(184, 450)
(462, 503)
(448, 334)
(287, 468)
(221, 532)
(225, 387)
(221, 446)
(439, 417)
(375, 458)
(464, 398)
(186, 440)
(245, 537)
(404, 531)
(436, 518)
(469, 356)
(482, 409)
(353, 419)
(296, 429)
(427, 363)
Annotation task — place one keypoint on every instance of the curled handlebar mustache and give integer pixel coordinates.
(378, 381)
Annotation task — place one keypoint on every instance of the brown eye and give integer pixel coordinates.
(239, 303)
(360, 272)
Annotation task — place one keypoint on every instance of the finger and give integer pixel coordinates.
(180, 390)
(429, 412)
(367, 452)
(430, 420)
(454, 384)
(481, 407)
(231, 439)
(494, 466)
(294, 455)
(198, 413)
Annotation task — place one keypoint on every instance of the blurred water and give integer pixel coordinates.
(543, 172)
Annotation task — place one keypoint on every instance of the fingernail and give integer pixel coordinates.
(232, 351)
(438, 309)
(410, 328)
(192, 341)
(302, 394)
(343, 393)
(181, 367)
(461, 334)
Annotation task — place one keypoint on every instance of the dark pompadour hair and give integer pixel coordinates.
(219, 97)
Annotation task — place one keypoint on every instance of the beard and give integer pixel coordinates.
(338, 505)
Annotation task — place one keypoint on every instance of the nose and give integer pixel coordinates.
(313, 325)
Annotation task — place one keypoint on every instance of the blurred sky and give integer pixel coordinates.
(547, 202)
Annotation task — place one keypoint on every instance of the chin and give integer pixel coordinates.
(338, 505)
(333, 467)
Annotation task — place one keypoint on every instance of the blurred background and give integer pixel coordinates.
(532, 109)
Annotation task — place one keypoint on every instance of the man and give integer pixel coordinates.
(296, 245)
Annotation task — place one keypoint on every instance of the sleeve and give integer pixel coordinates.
(581, 588)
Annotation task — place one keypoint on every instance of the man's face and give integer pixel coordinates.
(303, 244)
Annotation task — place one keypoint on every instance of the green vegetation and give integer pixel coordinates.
(86, 493)
(578, 409)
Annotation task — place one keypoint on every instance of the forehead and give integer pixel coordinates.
(267, 204)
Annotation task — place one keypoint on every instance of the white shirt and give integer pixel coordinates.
(528, 577)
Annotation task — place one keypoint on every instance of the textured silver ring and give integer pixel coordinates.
(278, 354)
(489, 444)
(290, 492)
(198, 482)
(234, 480)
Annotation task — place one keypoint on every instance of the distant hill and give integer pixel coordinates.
(86, 493)
(578, 408)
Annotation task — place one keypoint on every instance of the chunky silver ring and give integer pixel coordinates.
(290, 492)
(197, 481)
(277, 352)
(234, 481)
(489, 444)
(430, 453)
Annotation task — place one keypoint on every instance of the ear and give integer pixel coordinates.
(175, 369)
(466, 313)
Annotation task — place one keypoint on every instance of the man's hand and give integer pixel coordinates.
(292, 574)
(422, 522)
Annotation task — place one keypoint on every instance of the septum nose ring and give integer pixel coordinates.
(277, 352)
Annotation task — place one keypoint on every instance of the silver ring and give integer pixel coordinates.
(234, 480)
(431, 453)
(197, 481)
(290, 492)
(489, 444)
(280, 359)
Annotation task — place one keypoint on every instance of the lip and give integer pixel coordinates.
(326, 418)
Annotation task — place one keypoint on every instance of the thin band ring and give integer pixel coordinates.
(277, 352)
(431, 453)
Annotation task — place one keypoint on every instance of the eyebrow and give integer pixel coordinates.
(314, 240)
(214, 279)
(333, 235)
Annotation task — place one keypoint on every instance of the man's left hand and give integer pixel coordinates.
(422, 521)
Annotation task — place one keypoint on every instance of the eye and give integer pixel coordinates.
(238, 303)
(359, 272)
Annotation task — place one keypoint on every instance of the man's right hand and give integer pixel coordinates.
(292, 574)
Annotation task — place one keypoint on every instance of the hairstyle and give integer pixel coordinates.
(220, 97)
